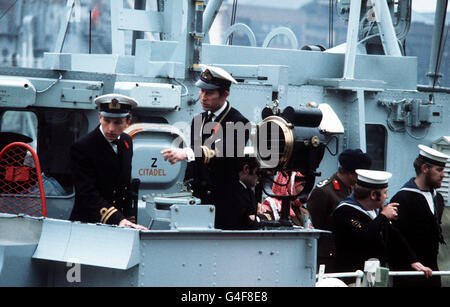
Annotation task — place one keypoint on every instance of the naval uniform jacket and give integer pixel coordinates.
(361, 235)
(243, 204)
(420, 227)
(101, 178)
(321, 203)
(215, 178)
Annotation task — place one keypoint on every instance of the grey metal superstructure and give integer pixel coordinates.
(368, 82)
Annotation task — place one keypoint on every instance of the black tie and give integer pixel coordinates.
(116, 142)
(209, 117)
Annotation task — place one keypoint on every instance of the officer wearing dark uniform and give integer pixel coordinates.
(212, 168)
(243, 208)
(420, 213)
(363, 229)
(101, 166)
(327, 195)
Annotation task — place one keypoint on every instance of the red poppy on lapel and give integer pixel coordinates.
(336, 185)
(126, 144)
(216, 128)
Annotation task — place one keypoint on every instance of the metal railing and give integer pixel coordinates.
(371, 274)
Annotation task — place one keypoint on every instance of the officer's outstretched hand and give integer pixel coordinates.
(174, 154)
(127, 223)
(390, 211)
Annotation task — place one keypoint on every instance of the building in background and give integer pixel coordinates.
(29, 28)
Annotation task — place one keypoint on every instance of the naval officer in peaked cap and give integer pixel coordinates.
(362, 226)
(101, 166)
(420, 213)
(115, 105)
(211, 168)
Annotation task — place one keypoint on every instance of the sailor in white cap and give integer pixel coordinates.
(101, 166)
(362, 225)
(327, 194)
(211, 169)
(432, 156)
(420, 214)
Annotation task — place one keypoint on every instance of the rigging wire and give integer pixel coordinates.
(184, 86)
(51, 85)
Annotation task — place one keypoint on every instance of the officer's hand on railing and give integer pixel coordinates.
(127, 223)
(420, 267)
(174, 154)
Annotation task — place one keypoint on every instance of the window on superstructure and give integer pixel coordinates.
(58, 130)
(376, 145)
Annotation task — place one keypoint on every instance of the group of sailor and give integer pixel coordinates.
(405, 234)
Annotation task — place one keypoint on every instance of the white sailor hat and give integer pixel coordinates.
(249, 151)
(373, 179)
(115, 105)
(214, 78)
(432, 156)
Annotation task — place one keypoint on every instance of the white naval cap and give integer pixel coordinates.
(249, 151)
(432, 156)
(373, 179)
(115, 105)
(214, 77)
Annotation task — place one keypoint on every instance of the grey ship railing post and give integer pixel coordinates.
(138, 5)
(117, 36)
(198, 33)
(387, 31)
(211, 10)
(64, 25)
(360, 274)
(352, 39)
(416, 273)
(349, 68)
(436, 45)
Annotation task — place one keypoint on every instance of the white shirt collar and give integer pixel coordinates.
(371, 213)
(243, 184)
(218, 112)
(101, 130)
(114, 146)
